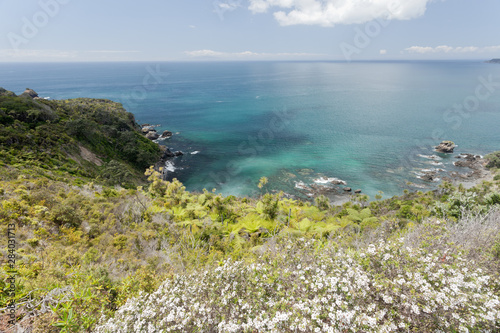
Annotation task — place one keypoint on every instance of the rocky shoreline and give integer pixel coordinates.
(474, 167)
(478, 172)
(338, 190)
(150, 133)
(476, 164)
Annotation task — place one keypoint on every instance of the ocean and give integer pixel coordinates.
(310, 127)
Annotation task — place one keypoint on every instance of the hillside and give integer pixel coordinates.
(102, 251)
(88, 138)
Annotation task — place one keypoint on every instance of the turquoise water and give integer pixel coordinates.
(366, 123)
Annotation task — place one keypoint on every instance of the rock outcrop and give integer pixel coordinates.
(168, 154)
(29, 93)
(469, 161)
(429, 176)
(166, 134)
(152, 135)
(4, 92)
(446, 147)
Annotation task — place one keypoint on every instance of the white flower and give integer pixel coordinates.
(387, 299)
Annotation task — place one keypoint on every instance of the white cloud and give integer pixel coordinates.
(450, 49)
(383, 52)
(492, 48)
(246, 54)
(21, 55)
(192, 26)
(204, 53)
(327, 13)
(228, 4)
(12, 54)
(112, 51)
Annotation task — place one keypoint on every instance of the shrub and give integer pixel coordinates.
(383, 287)
(65, 215)
(322, 202)
(493, 160)
(120, 242)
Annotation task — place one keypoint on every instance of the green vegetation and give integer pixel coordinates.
(493, 160)
(92, 255)
(87, 138)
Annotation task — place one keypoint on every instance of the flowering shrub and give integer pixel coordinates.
(310, 286)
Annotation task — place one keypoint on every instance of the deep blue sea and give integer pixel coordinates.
(301, 124)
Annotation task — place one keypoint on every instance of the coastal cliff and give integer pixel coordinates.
(90, 138)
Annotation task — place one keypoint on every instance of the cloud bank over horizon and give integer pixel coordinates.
(328, 13)
(245, 54)
(450, 49)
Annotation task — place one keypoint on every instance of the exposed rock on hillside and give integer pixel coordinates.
(4, 92)
(30, 93)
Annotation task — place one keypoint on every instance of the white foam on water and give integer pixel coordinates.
(169, 166)
(301, 185)
(432, 170)
(331, 180)
(195, 152)
(430, 157)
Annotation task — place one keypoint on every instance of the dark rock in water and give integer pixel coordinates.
(429, 176)
(463, 163)
(470, 157)
(469, 161)
(305, 171)
(166, 134)
(347, 189)
(152, 135)
(167, 154)
(446, 147)
(7, 93)
(178, 153)
(147, 129)
(357, 191)
(29, 93)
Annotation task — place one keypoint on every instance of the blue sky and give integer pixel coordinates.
(190, 30)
